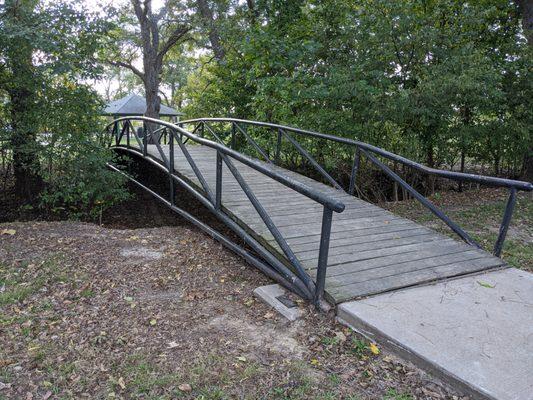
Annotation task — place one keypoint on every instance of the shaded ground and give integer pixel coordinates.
(166, 312)
(480, 213)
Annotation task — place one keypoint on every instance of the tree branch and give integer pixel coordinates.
(126, 65)
(174, 37)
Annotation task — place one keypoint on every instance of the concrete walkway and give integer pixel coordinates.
(475, 332)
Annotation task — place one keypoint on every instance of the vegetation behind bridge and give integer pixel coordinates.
(446, 83)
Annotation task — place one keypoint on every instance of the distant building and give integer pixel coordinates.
(134, 105)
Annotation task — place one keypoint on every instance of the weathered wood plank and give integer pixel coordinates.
(380, 262)
(368, 288)
(352, 247)
(400, 268)
(371, 249)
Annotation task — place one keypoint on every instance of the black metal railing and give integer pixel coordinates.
(371, 153)
(293, 276)
(153, 132)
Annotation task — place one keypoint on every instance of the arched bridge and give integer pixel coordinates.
(316, 239)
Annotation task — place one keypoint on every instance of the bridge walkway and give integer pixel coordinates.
(371, 250)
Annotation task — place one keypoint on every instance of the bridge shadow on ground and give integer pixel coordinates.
(143, 211)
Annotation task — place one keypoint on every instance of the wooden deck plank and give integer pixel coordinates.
(400, 268)
(345, 293)
(379, 262)
(350, 247)
(371, 249)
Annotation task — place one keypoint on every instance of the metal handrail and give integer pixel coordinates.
(367, 149)
(308, 191)
(298, 280)
(459, 176)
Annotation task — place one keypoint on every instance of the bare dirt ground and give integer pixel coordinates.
(164, 312)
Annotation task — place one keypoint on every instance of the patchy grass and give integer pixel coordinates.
(480, 213)
(174, 319)
(28, 278)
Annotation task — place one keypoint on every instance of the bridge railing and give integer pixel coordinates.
(238, 126)
(152, 132)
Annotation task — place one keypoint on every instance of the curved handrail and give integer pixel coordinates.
(459, 176)
(370, 152)
(224, 154)
(314, 194)
(298, 279)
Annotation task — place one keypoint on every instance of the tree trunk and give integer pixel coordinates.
(212, 31)
(151, 88)
(24, 123)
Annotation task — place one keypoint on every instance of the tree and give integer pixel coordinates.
(526, 10)
(436, 81)
(158, 33)
(20, 83)
(47, 52)
(211, 26)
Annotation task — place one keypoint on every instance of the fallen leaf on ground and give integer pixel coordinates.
(374, 348)
(185, 387)
(341, 336)
(485, 284)
(8, 232)
(241, 358)
(121, 383)
(153, 322)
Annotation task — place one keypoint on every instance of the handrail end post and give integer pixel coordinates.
(327, 218)
(508, 214)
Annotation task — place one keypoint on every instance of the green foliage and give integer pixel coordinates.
(78, 181)
(431, 80)
(51, 121)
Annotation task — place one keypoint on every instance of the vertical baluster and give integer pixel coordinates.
(323, 252)
(355, 169)
(171, 167)
(115, 132)
(145, 139)
(509, 207)
(278, 148)
(233, 135)
(218, 193)
(128, 125)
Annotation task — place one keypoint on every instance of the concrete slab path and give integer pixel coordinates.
(475, 332)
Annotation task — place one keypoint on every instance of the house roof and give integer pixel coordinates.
(134, 104)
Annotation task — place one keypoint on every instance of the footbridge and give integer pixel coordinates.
(313, 237)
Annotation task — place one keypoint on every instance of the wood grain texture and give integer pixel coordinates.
(371, 250)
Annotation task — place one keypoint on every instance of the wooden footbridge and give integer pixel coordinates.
(316, 239)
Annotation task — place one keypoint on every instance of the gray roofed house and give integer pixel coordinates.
(134, 104)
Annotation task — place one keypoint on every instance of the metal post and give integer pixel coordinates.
(128, 125)
(145, 139)
(323, 251)
(171, 168)
(218, 193)
(233, 144)
(355, 169)
(505, 222)
(202, 129)
(278, 147)
(115, 132)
